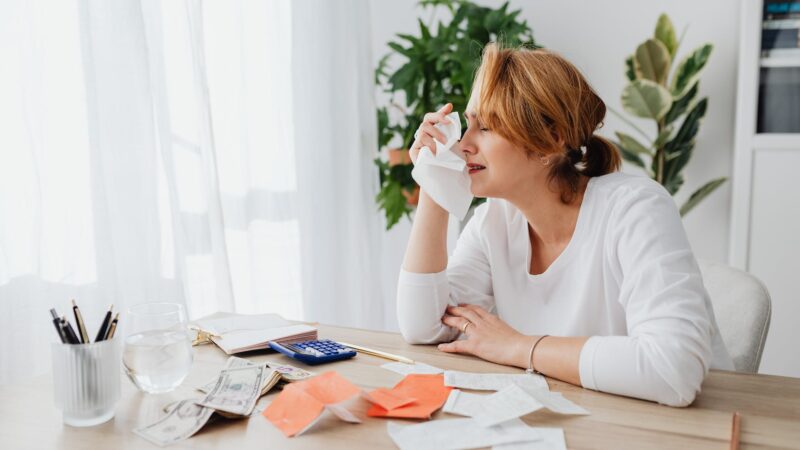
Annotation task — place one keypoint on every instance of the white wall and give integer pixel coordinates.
(597, 36)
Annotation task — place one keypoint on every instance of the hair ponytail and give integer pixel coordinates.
(601, 157)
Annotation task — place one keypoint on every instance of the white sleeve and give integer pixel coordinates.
(423, 297)
(667, 351)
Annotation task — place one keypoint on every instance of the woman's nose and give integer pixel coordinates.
(465, 147)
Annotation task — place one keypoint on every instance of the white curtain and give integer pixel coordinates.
(216, 154)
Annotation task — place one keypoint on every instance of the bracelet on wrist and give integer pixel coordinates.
(530, 368)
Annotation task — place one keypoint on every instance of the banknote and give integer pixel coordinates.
(183, 420)
(290, 373)
(232, 362)
(287, 372)
(237, 390)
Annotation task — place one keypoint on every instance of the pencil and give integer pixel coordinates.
(735, 431)
(378, 353)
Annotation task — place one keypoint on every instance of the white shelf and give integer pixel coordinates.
(781, 61)
(776, 141)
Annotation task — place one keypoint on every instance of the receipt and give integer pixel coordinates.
(459, 434)
(493, 381)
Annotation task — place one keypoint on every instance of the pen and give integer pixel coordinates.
(112, 328)
(101, 333)
(57, 323)
(72, 338)
(369, 351)
(79, 323)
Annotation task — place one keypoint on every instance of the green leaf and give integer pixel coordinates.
(672, 185)
(665, 33)
(384, 131)
(629, 156)
(645, 98)
(679, 149)
(688, 70)
(701, 194)
(630, 72)
(630, 143)
(393, 202)
(652, 61)
(663, 136)
(400, 49)
(680, 105)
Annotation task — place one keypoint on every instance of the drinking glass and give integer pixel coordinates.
(158, 350)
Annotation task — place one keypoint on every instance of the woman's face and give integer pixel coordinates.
(497, 167)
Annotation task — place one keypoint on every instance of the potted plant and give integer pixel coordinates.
(439, 66)
(652, 94)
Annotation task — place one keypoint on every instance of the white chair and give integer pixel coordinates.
(743, 309)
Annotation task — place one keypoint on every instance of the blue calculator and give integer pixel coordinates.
(315, 351)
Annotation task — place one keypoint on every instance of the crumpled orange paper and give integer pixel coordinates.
(429, 393)
(301, 403)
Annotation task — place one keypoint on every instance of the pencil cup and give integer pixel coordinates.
(86, 381)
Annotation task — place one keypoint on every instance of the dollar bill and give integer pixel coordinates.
(184, 420)
(287, 373)
(237, 390)
(290, 373)
(232, 362)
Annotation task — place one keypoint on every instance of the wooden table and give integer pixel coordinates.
(769, 405)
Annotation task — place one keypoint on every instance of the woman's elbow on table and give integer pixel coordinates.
(679, 374)
(419, 329)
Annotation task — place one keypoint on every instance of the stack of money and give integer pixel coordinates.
(233, 395)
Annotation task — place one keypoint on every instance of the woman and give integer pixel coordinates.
(570, 269)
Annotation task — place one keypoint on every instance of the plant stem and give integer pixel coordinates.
(660, 155)
(629, 122)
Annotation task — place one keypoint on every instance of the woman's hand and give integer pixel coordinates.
(488, 337)
(427, 132)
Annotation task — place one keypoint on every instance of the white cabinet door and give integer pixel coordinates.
(774, 253)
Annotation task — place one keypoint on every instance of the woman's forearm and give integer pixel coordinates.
(427, 246)
(555, 356)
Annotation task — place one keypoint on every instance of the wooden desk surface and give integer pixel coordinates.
(769, 405)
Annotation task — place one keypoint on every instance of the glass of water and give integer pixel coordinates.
(158, 350)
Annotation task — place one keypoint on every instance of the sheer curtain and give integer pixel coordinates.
(216, 154)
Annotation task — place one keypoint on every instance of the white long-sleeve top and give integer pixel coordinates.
(627, 278)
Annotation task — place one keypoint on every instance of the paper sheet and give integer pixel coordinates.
(508, 403)
(300, 404)
(407, 369)
(429, 393)
(555, 401)
(552, 439)
(493, 381)
(471, 405)
(459, 434)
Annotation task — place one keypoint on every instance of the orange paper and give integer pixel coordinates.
(428, 390)
(388, 399)
(301, 403)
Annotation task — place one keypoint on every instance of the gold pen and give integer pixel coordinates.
(112, 328)
(79, 322)
(378, 353)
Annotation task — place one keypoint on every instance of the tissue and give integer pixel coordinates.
(444, 176)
